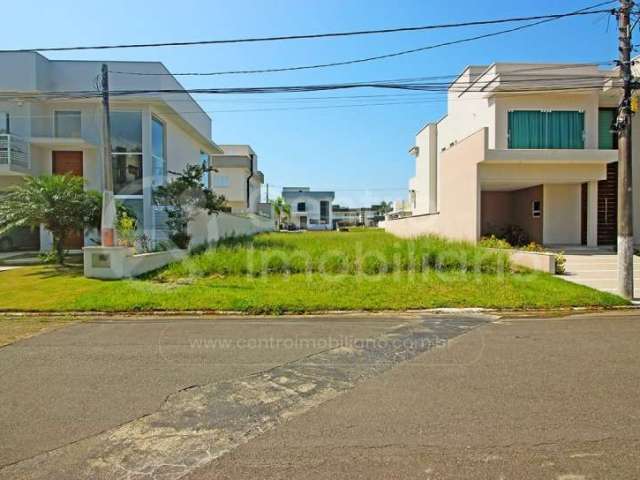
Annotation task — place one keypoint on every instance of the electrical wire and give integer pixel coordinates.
(581, 12)
(345, 62)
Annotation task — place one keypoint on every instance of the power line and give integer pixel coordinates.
(352, 61)
(326, 35)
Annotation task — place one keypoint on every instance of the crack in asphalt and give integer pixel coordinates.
(198, 424)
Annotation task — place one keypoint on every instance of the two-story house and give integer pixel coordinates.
(524, 145)
(236, 176)
(50, 123)
(310, 210)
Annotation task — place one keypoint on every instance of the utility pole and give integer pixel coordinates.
(107, 234)
(625, 198)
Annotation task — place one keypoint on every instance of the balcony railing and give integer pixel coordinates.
(14, 152)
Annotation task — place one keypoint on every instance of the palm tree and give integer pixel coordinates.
(384, 208)
(59, 202)
(282, 210)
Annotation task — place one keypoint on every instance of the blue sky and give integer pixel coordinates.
(361, 152)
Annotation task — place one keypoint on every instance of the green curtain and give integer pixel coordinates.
(605, 122)
(536, 129)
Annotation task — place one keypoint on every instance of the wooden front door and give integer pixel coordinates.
(69, 162)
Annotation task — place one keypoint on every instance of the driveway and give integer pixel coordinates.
(598, 269)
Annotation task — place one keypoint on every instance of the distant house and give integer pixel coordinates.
(358, 216)
(236, 176)
(45, 133)
(526, 146)
(310, 210)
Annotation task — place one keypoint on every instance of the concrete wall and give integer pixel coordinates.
(562, 205)
(211, 228)
(459, 205)
(425, 181)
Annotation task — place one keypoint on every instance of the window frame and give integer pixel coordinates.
(536, 212)
(155, 118)
(7, 119)
(139, 154)
(549, 112)
(304, 207)
(56, 111)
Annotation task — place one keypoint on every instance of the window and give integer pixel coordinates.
(4, 123)
(324, 211)
(67, 124)
(126, 132)
(302, 207)
(204, 160)
(158, 155)
(127, 174)
(539, 130)
(126, 146)
(221, 181)
(607, 136)
(536, 209)
(135, 206)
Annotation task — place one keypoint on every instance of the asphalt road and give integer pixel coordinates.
(78, 381)
(431, 398)
(518, 399)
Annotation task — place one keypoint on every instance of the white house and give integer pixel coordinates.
(530, 145)
(46, 128)
(310, 210)
(236, 176)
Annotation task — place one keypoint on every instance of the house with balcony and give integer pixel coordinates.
(236, 176)
(48, 126)
(310, 209)
(523, 146)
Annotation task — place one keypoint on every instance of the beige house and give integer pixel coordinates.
(236, 176)
(525, 145)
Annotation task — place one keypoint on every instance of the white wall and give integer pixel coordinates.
(210, 228)
(561, 221)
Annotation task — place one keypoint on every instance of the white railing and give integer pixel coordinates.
(14, 151)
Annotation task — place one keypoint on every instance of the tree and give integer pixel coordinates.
(281, 209)
(182, 197)
(384, 208)
(59, 202)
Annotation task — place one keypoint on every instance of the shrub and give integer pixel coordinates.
(561, 263)
(493, 242)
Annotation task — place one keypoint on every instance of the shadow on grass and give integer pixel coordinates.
(56, 271)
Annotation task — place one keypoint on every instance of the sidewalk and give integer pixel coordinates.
(529, 398)
(598, 269)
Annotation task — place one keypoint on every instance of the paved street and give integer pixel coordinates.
(435, 397)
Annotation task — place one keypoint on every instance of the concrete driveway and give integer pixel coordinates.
(598, 269)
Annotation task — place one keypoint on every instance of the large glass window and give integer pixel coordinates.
(4, 123)
(67, 124)
(127, 174)
(158, 153)
(126, 147)
(126, 132)
(538, 129)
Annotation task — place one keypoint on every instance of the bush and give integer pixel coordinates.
(493, 242)
(561, 263)
(532, 247)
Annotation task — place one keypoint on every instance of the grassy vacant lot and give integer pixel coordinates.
(280, 272)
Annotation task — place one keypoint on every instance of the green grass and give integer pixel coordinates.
(207, 282)
(364, 251)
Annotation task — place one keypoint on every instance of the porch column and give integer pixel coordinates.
(592, 214)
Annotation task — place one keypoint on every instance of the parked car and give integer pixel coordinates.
(22, 238)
